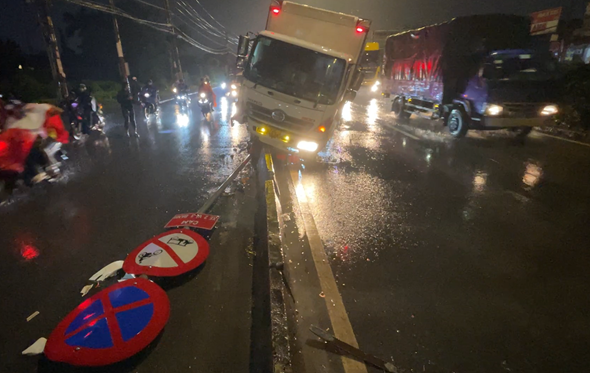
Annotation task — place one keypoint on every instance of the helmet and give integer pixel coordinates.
(181, 81)
(150, 82)
(82, 87)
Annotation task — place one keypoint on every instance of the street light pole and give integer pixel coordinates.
(123, 69)
(176, 59)
(50, 38)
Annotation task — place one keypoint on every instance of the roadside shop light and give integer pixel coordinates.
(549, 110)
(286, 138)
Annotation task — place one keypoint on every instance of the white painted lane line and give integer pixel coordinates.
(563, 139)
(336, 311)
(33, 315)
(396, 128)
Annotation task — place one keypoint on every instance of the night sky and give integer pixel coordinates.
(17, 21)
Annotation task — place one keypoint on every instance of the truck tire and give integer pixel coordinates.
(458, 123)
(399, 109)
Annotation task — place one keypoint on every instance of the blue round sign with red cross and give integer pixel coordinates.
(111, 326)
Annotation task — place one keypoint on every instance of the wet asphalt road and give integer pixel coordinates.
(117, 193)
(450, 255)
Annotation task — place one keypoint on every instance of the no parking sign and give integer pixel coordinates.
(111, 326)
(170, 254)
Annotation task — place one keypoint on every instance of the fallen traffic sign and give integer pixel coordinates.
(196, 220)
(170, 254)
(110, 326)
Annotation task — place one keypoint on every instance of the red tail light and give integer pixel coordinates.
(360, 29)
(275, 9)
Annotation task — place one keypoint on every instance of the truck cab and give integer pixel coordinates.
(298, 74)
(513, 89)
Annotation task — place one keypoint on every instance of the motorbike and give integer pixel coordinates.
(182, 99)
(205, 104)
(98, 122)
(149, 103)
(79, 115)
(48, 169)
(232, 93)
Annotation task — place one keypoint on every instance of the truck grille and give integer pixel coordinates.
(522, 110)
(264, 115)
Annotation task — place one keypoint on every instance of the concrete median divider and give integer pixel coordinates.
(270, 334)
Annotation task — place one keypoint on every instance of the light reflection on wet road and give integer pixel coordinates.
(118, 192)
(456, 255)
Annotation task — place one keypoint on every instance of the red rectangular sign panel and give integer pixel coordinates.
(545, 21)
(202, 221)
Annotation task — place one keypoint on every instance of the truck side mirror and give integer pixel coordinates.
(243, 49)
(243, 46)
(349, 95)
(357, 80)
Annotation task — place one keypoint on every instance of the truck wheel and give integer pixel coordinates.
(458, 123)
(398, 107)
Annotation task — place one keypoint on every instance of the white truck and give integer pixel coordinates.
(298, 74)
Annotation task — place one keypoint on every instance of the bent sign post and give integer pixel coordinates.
(110, 326)
(201, 221)
(169, 254)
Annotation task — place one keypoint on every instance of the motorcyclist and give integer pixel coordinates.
(205, 88)
(21, 139)
(149, 93)
(181, 87)
(85, 103)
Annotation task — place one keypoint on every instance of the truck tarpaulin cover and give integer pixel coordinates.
(450, 53)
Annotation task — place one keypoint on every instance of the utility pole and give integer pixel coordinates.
(123, 69)
(176, 59)
(50, 38)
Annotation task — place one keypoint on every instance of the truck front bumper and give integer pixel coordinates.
(282, 139)
(498, 123)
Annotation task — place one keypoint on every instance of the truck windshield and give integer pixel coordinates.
(295, 71)
(520, 67)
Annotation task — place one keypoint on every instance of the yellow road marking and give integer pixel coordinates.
(336, 311)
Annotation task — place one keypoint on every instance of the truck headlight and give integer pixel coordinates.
(549, 110)
(494, 110)
(308, 146)
(375, 86)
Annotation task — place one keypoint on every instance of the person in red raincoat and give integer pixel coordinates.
(205, 87)
(20, 129)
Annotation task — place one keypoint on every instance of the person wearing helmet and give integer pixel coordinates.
(152, 91)
(205, 88)
(85, 104)
(181, 86)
